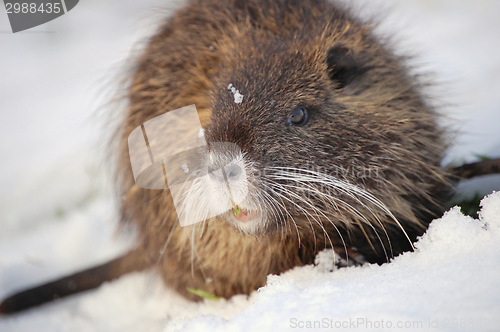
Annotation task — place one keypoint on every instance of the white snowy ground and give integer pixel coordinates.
(57, 213)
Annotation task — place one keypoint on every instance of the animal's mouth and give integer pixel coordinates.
(247, 219)
(245, 215)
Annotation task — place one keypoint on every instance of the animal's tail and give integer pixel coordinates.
(78, 282)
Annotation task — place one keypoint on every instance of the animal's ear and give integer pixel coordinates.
(343, 68)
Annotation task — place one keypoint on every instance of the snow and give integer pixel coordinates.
(238, 97)
(450, 282)
(58, 215)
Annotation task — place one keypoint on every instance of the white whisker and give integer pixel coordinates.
(306, 178)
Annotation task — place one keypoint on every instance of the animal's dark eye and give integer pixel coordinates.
(298, 117)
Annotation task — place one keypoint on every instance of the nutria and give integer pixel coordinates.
(341, 147)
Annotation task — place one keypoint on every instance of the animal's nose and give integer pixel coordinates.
(226, 173)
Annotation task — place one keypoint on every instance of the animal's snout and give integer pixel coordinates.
(229, 172)
(225, 162)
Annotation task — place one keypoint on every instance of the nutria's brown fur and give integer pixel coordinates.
(362, 175)
(368, 114)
